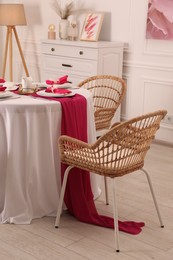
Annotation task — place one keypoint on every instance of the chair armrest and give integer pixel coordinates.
(74, 151)
(71, 142)
(67, 143)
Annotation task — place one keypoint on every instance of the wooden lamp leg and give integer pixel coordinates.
(5, 53)
(10, 54)
(20, 50)
(9, 44)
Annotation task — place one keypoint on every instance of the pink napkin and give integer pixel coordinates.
(57, 90)
(2, 80)
(49, 82)
(62, 91)
(2, 88)
(61, 80)
(50, 89)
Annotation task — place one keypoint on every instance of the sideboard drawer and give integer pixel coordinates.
(68, 65)
(68, 51)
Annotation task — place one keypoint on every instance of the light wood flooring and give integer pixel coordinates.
(77, 241)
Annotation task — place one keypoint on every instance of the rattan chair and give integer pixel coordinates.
(120, 151)
(108, 92)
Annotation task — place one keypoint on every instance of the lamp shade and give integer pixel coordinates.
(12, 14)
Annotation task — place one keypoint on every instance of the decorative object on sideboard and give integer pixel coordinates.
(92, 26)
(64, 9)
(10, 16)
(63, 29)
(73, 31)
(51, 32)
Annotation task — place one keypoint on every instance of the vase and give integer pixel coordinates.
(63, 29)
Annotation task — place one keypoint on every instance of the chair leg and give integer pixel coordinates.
(154, 197)
(61, 199)
(106, 190)
(115, 213)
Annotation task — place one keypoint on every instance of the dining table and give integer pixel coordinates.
(30, 164)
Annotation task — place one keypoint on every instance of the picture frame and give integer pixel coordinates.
(92, 26)
(159, 20)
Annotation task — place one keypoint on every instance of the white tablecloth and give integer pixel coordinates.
(29, 160)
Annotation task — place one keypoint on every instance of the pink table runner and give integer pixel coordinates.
(78, 195)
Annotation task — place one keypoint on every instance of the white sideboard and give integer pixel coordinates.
(80, 60)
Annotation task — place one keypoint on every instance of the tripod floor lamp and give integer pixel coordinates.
(10, 16)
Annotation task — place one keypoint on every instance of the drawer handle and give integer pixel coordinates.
(81, 52)
(52, 49)
(67, 65)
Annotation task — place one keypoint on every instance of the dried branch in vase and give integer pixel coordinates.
(64, 10)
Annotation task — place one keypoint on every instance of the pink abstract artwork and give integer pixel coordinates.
(92, 26)
(160, 20)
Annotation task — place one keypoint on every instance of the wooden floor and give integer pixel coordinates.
(76, 241)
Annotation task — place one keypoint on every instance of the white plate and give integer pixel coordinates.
(10, 86)
(50, 94)
(40, 84)
(65, 85)
(5, 94)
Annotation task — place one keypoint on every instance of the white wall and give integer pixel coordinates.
(148, 64)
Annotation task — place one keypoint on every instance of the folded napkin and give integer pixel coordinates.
(2, 88)
(62, 91)
(61, 80)
(2, 80)
(57, 90)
